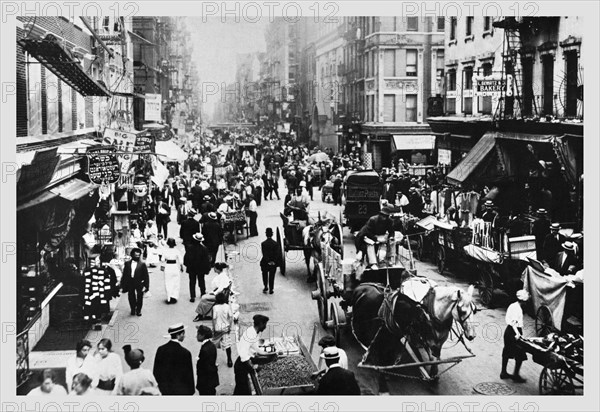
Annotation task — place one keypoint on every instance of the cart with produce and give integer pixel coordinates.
(561, 355)
(290, 373)
(233, 222)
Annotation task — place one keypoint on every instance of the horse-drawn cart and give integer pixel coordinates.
(390, 312)
(562, 359)
(307, 238)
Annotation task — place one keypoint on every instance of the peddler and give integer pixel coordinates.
(376, 226)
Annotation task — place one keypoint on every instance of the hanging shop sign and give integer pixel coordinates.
(444, 156)
(153, 107)
(144, 142)
(124, 142)
(103, 165)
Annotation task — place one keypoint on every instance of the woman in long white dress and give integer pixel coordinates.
(109, 368)
(172, 268)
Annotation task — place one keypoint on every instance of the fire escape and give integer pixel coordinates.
(511, 104)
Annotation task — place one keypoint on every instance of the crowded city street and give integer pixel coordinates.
(365, 207)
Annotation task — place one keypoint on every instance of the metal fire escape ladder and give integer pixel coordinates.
(511, 68)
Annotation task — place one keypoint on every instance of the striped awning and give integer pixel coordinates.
(473, 159)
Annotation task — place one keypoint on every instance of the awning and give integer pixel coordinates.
(412, 142)
(170, 151)
(135, 36)
(60, 62)
(39, 199)
(526, 137)
(70, 190)
(73, 189)
(473, 159)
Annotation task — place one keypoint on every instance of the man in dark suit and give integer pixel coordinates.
(213, 235)
(566, 263)
(539, 229)
(337, 380)
(135, 281)
(269, 261)
(189, 227)
(173, 368)
(197, 263)
(206, 366)
(552, 243)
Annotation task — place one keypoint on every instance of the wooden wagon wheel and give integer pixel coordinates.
(322, 304)
(544, 324)
(281, 248)
(440, 259)
(486, 285)
(341, 239)
(338, 321)
(555, 380)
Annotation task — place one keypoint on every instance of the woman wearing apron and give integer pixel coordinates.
(172, 268)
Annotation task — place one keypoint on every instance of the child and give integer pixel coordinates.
(222, 325)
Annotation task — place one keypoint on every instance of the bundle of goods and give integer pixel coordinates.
(567, 345)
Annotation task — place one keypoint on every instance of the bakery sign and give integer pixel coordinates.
(492, 86)
(103, 165)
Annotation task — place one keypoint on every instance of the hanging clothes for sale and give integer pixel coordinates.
(468, 202)
(100, 283)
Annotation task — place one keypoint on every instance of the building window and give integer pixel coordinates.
(527, 65)
(412, 23)
(451, 80)
(389, 62)
(451, 105)
(548, 84)
(389, 108)
(106, 24)
(411, 62)
(485, 105)
(468, 78)
(440, 63)
(469, 29)
(572, 89)
(452, 28)
(487, 23)
(411, 107)
(441, 23)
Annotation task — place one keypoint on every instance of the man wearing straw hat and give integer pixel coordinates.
(337, 380)
(566, 263)
(173, 368)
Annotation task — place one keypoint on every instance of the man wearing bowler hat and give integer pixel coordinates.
(173, 368)
(198, 264)
(337, 380)
(539, 229)
(269, 261)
